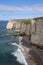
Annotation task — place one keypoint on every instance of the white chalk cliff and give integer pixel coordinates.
(10, 24)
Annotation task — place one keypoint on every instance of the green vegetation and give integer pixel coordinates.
(38, 18)
(28, 21)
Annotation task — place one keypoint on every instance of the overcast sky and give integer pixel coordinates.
(20, 9)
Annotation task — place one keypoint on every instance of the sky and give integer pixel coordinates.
(20, 9)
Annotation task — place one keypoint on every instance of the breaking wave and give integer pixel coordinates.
(19, 54)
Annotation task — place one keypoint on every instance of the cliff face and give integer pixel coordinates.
(10, 24)
(23, 27)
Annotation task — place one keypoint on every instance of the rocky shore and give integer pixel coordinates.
(30, 56)
(24, 50)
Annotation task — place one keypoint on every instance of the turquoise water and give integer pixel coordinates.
(6, 58)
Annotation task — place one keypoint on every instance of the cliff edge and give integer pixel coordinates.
(10, 24)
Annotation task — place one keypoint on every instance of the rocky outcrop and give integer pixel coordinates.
(10, 24)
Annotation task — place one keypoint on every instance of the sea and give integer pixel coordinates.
(10, 53)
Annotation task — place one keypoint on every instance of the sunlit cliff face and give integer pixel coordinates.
(10, 24)
(33, 21)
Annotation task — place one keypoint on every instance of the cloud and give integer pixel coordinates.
(10, 8)
(37, 7)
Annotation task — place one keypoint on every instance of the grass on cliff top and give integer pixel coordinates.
(38, 18)
(26, 21)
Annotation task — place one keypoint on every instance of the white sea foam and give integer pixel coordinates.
(19, 54)
(15, 44)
